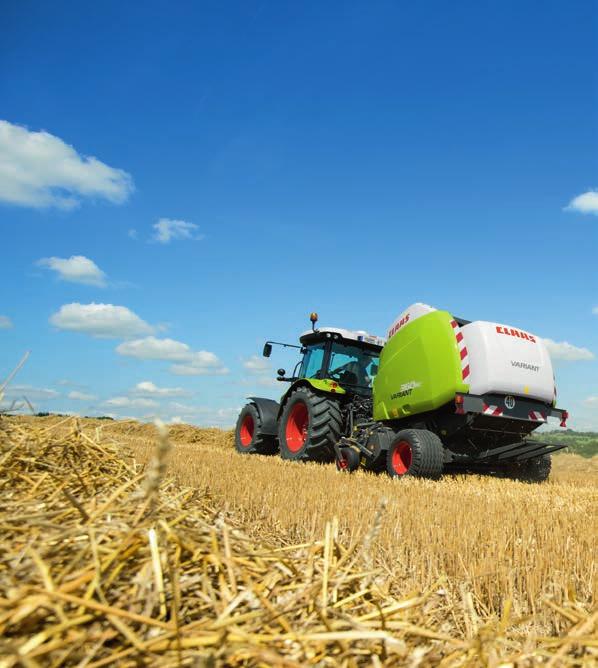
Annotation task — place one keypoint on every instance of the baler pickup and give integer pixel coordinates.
(517, 451)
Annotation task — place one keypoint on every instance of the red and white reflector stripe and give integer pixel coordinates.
(492, 410)
(463, 354)
(537, 416)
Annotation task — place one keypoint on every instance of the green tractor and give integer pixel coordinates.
(440, 393)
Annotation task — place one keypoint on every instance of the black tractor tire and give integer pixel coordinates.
(536, 469)
(309, 426)
(349, 460)
(415, 452)
(249, 437)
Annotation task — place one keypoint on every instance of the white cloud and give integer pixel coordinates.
(5, 322)
(132, 234)
(260, 381)
(147, 388)
(591, 401)
(595, 310)
(205, 415)
(201, 363)
(151, 348)
(67, 382)
(125, 407)
(103, 321)
(32, 393)
(257, 364)
(567, 352)
(127, 402)
(81, 396)
(185, 410)
(167, 230)
(585, 203)
(220, 417)
(40, 170)
(190, 363)
(76, 269)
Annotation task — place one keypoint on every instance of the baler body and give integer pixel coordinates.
(420, 368)
(439, 365)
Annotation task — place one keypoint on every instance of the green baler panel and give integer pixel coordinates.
(420, 368)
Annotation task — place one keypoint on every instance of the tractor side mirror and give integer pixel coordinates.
(267, 350)
(281, 372)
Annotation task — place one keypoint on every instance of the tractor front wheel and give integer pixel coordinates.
(309, 426)
(249, 437)
(415, 452)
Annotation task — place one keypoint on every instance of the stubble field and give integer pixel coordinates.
(257, 561)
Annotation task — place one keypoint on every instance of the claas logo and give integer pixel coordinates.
(403, 321)
(509, 331)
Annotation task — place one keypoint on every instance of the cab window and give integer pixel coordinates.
(351, 365)
(312, 362)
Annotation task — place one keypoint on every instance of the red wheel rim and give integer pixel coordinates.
(296, 429)
(401, 457)
(246, 433)
(343, 463)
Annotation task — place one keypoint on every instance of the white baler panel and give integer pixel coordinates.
(506, 360)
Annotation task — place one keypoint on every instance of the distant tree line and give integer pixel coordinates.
(584, 443)
(90, 417)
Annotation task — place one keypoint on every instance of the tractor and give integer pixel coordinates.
(438, 394)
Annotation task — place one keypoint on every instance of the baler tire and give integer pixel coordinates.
(349, 462)
(316, 424)
(533, 470)
(249, 438)
(415, 452)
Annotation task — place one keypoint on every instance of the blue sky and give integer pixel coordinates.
(255, 161)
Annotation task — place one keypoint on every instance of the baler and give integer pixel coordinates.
(439, 394)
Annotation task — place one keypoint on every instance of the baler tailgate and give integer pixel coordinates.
(508, 407)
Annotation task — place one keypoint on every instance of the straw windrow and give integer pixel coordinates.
(104, 564)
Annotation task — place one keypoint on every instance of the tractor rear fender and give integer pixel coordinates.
(268, 410)
(321, 385)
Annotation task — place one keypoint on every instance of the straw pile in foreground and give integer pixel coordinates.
(102, 563)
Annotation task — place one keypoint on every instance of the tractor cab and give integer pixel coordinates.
(336, 356)
(350, 358)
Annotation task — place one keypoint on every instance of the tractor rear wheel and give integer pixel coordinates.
(415, 452)
(309, 426)
(249, 437)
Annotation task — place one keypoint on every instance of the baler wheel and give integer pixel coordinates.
(310, 425)
(415, 452)
(349, 460)
(536, 469)
(249, 438)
